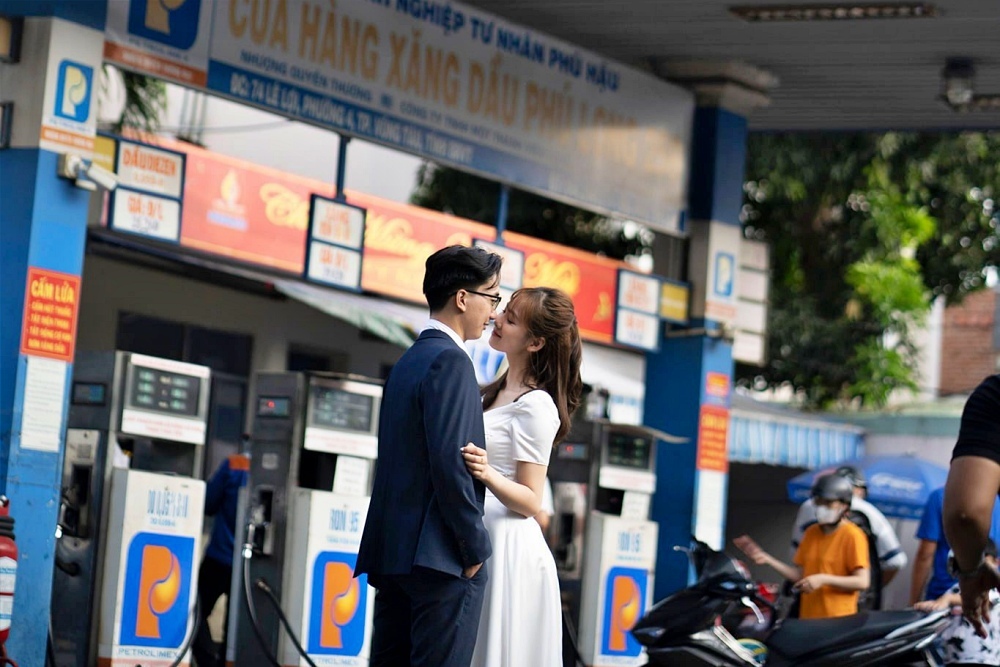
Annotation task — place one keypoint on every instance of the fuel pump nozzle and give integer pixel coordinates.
(260, 539)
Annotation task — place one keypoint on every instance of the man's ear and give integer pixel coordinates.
(460, 300)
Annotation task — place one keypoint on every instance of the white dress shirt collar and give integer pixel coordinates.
(441, 326)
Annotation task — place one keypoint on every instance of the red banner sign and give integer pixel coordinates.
(399, 239)
(591, 281)
(51, 305)
(260, 215)
(713, 439)
(245, 211)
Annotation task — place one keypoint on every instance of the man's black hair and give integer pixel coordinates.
(991, 548)
(457, 267)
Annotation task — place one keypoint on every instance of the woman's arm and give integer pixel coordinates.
(523, 494)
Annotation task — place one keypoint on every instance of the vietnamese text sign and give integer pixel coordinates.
(51, 305)
(146, 215)
(42, 408)
(337, 223)
(147, 201)
(447, 82)
(637, 329)
(713, 433)
(149, 169)
(335, 266)
(336, 237)
(637, 291)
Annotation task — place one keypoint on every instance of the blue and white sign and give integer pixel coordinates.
(720, 288)
(619, 573)
(512, 271)
(148, 199)
(328, 607)
(72, 65)
(334, 243)
(74, 86)
(445, 81)
(637, 316)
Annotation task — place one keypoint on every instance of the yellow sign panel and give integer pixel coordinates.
(104, 152)
(674, 299)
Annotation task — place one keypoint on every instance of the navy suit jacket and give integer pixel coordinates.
(426, 509)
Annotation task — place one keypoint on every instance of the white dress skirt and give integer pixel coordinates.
(521, 623)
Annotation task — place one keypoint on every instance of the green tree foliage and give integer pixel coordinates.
(865, 230)
(475, 198)
(145, 100)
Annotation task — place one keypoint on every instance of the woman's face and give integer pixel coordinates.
(510, 336)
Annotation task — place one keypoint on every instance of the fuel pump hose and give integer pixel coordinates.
(252, 610)
(262, 585)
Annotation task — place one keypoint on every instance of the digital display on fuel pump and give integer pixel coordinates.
(341, 409)
(163, 391)
(628, 450)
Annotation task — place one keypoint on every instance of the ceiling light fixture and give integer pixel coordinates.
(958, 79)
(834, 12)
(958, 89)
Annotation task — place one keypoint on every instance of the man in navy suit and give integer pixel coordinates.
(424, 546)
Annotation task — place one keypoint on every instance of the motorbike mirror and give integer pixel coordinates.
(747, 602)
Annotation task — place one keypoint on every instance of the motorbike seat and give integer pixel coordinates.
(799, 637)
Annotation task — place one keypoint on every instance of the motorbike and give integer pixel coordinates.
(719, 622)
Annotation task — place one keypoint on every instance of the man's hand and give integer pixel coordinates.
(470, 572)
(810, 584)
(975, 591)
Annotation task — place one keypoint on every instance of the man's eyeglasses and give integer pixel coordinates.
(495, 299)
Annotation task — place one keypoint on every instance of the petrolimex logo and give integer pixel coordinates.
(338, 606)
(170, 22)
(625, 594)
(74, 84)
(157, 590)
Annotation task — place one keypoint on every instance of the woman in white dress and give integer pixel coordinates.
(528, 410)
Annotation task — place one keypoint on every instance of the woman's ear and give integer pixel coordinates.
(536, 344)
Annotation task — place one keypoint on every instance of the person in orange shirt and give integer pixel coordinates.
(832, 564)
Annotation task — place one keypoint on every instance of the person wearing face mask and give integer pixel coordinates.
(832, 564)
(886, 555)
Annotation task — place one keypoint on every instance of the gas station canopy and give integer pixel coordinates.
(825, 73)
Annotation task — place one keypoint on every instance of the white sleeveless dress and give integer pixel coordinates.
(521, 623)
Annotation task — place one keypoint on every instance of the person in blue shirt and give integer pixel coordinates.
(930, 567)
(216, 572)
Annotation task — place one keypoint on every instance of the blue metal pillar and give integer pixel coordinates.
(688, 382)
(42, 234)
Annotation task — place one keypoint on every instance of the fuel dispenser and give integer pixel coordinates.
(605, 545)
(130, 520)
(312, 456)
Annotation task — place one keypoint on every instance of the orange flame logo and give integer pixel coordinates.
(341, 595)
(625, 608)
(159, 588)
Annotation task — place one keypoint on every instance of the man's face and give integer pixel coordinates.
(480, 308)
